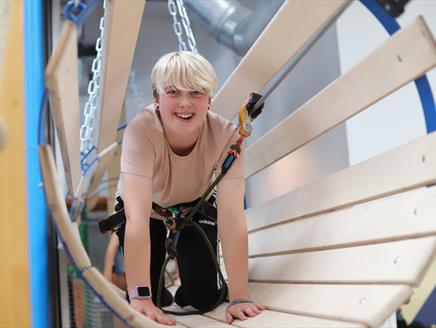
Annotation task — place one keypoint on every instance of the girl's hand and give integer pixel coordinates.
(243, 311)
(151, 311)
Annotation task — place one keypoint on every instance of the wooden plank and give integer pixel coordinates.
(420, 294)
(141, 321)
(404, 168)
(56, 203)
(400, 262)
(365, 304)
(102, 166)
(114, 170)
(401, 59)
(194, 321)
(61, 77)
(14, 278)
(269, 319)
(122, 22)
(291, 27)
(408, 215)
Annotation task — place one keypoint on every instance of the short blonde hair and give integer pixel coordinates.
(183, 70)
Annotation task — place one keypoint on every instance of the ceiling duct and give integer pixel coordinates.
(233, 24)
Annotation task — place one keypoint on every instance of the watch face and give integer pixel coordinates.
(143, 291)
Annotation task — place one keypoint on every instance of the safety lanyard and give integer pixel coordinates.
(248, 112)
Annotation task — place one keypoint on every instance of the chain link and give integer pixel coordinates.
(175, 8)
(87, 128)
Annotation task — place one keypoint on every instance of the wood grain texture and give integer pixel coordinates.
(363, 304)
(122, 22)
(269, 319)
(61, 78)
(14, 278)
(407, 215)
(399, 262)
(401, 59)
(403, 168)
(291, 27)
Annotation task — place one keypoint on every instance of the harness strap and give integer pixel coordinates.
(248, 112)
(116, 219)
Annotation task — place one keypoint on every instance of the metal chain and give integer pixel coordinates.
(177, 7)
(187, 26)
(86, 137)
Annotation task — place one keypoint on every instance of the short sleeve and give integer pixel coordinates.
(137, 154)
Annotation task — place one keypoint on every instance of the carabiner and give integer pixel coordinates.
(76, 12)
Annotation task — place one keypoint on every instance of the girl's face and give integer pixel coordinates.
(183, 112)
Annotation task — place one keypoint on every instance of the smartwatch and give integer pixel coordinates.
(140, 292)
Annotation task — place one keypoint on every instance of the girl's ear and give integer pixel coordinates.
(156, 101)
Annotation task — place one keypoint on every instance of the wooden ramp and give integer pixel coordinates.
(346, 250)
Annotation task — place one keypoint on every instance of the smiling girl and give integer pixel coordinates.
(170, 154)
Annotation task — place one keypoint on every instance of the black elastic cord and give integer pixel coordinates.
(224, 288)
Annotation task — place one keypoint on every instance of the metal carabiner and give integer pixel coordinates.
(76, 11)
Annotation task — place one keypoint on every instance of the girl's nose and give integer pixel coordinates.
(185, 100)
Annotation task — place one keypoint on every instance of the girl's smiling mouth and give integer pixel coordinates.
(185, 116)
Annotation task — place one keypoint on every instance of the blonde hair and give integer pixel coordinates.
(183, 70)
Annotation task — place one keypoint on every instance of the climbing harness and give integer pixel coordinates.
(179, 216)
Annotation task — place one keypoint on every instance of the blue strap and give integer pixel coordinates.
(76, 12)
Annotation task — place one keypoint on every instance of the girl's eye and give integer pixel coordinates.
(196, 93)
(172, 92)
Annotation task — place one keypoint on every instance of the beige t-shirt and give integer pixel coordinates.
(177, 179)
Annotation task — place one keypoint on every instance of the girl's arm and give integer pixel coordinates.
(233, 233)
(137, 197)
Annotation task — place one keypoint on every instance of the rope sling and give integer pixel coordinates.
(175, 216)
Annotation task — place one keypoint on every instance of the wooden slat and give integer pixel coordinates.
(141, 321)
(269, 319)
(56, 203)
(420, 294)
(366, 304)
(61, 77)
(404, 168)
(114, 169)
(15, 310)
(122, 23)
(194, 321)
(102, 166)
(400, 262)
(401, 59)
(291, 27)
(408, 215)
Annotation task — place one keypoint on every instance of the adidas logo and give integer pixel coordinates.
(207, 222)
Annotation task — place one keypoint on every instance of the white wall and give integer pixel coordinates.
(398, 118)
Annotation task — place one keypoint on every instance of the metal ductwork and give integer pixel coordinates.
(231, 23)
